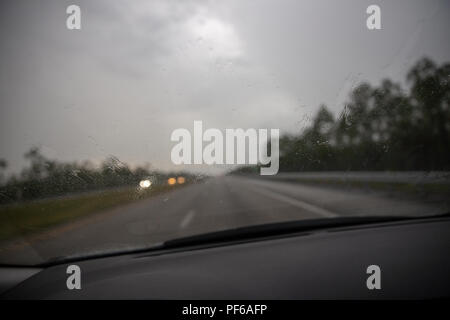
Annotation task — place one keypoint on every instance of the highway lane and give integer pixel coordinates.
(216, 204)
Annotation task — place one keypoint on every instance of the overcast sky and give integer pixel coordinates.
(137, 70)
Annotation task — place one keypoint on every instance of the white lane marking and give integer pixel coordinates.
(296, 203)
(187, 219)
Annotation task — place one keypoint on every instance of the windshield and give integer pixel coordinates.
(127, 124)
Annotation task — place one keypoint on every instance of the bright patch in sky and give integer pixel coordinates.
(219, 37)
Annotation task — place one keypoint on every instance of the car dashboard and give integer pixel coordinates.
(412, 257)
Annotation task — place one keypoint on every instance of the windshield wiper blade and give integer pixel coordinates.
(276, 229)
(244, 234)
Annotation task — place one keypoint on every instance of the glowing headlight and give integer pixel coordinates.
(145, 184)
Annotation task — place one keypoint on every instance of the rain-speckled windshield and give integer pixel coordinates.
(124, 124)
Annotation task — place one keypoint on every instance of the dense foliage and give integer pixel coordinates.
(380, 128)
(46, 178)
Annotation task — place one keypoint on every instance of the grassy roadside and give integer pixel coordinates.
(30, 217)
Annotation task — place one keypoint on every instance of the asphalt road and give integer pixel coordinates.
(216, 204)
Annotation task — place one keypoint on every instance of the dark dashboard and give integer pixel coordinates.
(325, 264)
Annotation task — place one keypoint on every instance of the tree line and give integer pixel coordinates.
(47, 178)
(383, 127)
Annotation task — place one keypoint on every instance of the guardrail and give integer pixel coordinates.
(414, 177)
